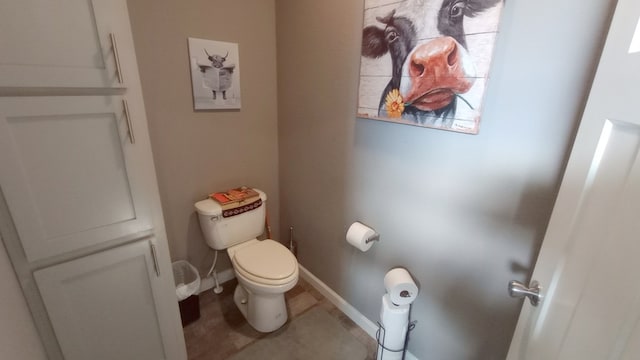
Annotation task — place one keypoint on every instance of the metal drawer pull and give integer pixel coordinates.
(129, 124)
(114, 46)
(154, 254)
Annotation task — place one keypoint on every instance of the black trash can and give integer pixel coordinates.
(187, 281)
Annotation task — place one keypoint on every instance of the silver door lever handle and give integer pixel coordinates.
(518, 290)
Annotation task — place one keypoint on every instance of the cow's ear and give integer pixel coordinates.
(374, 43)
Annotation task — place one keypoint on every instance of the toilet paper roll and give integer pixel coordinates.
(358, 234)
(400, 286)
(395, 321)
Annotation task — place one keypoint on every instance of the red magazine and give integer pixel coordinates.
(234, 195)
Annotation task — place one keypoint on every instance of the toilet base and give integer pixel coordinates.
(264, 312)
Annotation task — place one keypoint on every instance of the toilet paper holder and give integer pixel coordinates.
(374, 237)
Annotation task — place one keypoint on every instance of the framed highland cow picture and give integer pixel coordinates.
(426, 62)
(215, 74)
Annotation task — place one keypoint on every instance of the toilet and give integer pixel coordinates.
(265, 269)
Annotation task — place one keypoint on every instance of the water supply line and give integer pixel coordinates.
(217, 289)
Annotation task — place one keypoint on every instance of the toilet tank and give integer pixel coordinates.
(222, 232)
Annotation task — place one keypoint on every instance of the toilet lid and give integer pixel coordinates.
(266, 259)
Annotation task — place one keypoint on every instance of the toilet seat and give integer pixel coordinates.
(266, 262)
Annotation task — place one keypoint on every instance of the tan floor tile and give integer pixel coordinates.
(297, 290)
(244, 336)
(222, 330)
(300, 303)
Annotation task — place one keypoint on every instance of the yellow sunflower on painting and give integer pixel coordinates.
(394, 104)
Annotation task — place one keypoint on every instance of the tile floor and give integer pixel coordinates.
(222, 331)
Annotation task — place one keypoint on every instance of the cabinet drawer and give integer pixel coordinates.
(106, 305)
(71, 174)
(63, 43)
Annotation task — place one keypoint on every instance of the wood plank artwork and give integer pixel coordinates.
(426, 62)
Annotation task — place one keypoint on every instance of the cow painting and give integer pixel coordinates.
(426, 62)
(215, 74)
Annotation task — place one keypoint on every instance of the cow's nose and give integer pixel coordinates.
(438, 70)
(437, 57)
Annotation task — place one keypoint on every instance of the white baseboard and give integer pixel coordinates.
(226, 275)
(367, 325)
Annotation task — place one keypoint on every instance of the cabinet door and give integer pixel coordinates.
(70, 174)
(62, 43)
(106, 305)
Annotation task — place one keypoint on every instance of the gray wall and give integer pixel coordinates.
(199, 152)
(465, 214)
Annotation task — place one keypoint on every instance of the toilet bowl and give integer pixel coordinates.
(265, 271)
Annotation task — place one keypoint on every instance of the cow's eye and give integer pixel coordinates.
(457, 9)
(392, 36)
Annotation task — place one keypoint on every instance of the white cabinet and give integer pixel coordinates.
(72, 176)
(106, 305)
(62, 43)
(79, 202)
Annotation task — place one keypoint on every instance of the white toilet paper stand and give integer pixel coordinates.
(380, 339)
(395, 313)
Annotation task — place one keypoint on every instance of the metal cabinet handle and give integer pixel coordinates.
(114, 46)
(154, 254)
(132, 138)
(519, 290)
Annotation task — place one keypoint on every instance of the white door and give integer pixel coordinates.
(71, 173)
(588, 263)
(63, 43)
(108, 305)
